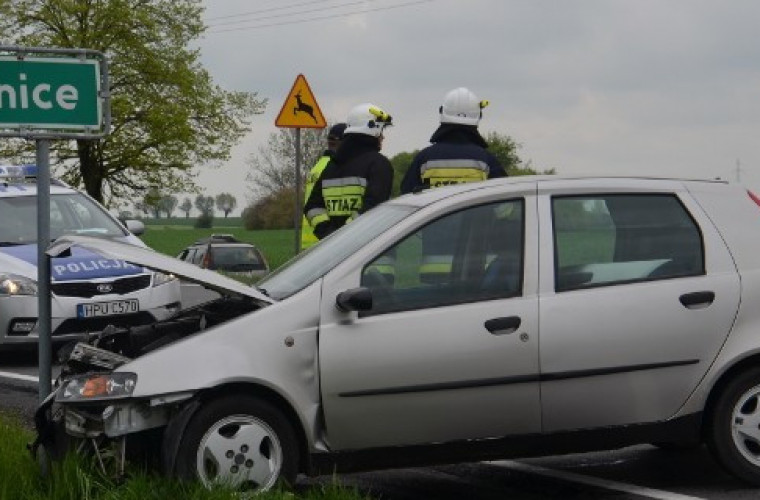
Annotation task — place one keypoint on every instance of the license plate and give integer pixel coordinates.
(111, 308)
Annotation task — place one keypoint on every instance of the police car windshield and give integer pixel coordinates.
(71, 213)
(308, 266)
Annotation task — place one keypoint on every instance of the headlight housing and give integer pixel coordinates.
(14, 284)
(98, 387)
(162, 278)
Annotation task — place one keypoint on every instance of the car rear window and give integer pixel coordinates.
(237, 258)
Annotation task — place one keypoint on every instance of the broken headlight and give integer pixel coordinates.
(98, 386)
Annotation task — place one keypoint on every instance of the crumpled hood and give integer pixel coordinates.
(81, 264)
(155, 261)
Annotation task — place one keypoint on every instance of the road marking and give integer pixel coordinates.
(18, 376)
(593, 481)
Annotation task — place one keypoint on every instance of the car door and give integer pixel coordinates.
(442, 359)
(642, 295)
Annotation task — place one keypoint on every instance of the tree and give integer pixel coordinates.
(152, 202)
(504, 148)
(168, 203)
(186, 206)
(274, 211)
(226, 203)
(272, 170)
(401, 163)
(168, 116)
(205, 204)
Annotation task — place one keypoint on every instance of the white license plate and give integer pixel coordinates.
(110, 308)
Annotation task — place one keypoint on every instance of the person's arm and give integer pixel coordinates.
(315, 210)
(379, 183)
(412, 180)
(495, 170)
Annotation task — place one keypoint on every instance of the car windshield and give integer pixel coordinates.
(308, 266)
(71, 213)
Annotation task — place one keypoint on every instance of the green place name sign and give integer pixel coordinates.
(50, 93)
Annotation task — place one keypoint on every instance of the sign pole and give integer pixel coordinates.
(44, 326)
(299, 205)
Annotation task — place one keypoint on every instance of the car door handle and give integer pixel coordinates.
(697, 300)
(501, 326)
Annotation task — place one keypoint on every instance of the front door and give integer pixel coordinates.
(443, 356)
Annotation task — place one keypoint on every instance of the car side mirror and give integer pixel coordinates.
(354, 299)
(135, 227)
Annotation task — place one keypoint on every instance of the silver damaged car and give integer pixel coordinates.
(510, 318)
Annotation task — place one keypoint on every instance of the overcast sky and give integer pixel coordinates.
(622, 87)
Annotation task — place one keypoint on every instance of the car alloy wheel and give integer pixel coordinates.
(240, 451)
(745, 425)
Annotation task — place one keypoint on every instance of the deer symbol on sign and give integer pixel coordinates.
(302, 106)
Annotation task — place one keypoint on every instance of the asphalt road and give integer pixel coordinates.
(641, 472)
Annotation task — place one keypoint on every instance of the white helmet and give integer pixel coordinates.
(367, 119)
(463, 107)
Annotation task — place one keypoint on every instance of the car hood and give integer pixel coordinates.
(79, 265)
(157, 262)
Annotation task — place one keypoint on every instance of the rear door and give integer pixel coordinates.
(640, 293)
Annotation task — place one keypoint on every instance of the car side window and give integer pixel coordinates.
(611, 239)
(466, 256)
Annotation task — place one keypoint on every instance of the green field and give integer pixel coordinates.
(278, 245)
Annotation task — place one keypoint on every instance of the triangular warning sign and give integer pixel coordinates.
(300, 109)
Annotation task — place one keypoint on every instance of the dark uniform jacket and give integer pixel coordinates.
(458, 155)
(356, 179)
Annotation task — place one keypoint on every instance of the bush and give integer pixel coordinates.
(204, 221)
(275, 211)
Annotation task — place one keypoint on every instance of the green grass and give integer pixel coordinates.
(190, 221)
(78, 478)
(278, 245)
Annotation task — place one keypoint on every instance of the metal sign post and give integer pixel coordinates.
(300, 110)
(51, 93)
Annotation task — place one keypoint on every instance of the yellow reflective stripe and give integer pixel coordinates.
(308, 238)
(313, 176)
(317, 216)
(445, 177)
(435, 268)
(455, 164)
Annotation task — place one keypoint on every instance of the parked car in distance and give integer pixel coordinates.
(226, 254)
(88, 292)
(565, 315)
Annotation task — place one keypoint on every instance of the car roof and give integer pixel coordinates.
(220, 238)
(428, 196)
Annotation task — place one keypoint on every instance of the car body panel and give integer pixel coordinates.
(387, 379)
(632, 352)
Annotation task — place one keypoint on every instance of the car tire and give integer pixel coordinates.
(242, 442)
(734, 427)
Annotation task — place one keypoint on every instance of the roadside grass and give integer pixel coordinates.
(77, 477)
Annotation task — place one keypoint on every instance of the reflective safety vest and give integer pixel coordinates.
(444, 172)
(343, 197)
(308, 238)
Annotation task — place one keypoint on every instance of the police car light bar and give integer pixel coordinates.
(18, 173)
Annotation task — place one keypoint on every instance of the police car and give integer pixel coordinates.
(88, 292)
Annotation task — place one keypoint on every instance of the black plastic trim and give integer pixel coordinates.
(518, 379)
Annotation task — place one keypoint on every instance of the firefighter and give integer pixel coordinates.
(357, 177)
(457, 155)
(334, 138)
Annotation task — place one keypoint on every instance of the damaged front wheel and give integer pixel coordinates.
(240, 442)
